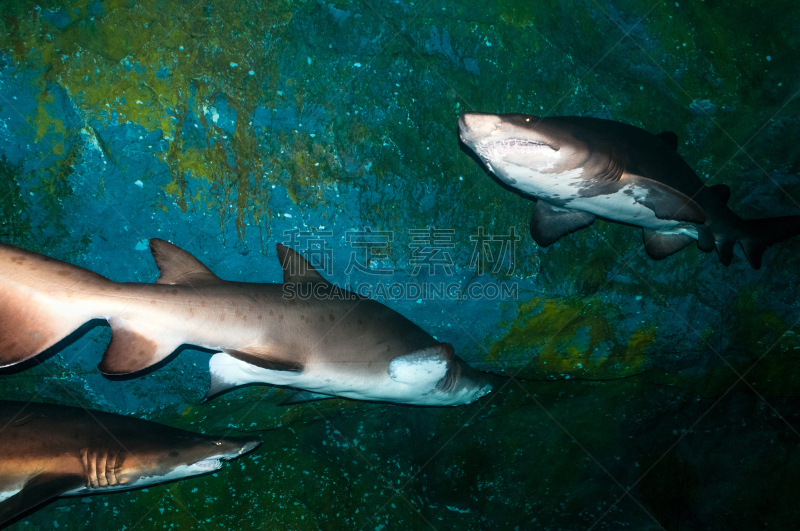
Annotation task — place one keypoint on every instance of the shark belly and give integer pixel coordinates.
(179, 472)
(570, 190)
(322, 379)
(328, 379)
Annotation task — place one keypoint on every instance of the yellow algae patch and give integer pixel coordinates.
(572, 338)
(154, 63)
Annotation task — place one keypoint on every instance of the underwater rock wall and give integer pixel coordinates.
(226, 127)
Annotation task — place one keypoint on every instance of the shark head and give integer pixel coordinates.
(461, 384)
(435, 376)
(159, 460)
(521, 148)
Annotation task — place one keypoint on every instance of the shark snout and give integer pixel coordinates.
(472, 126)
(250, 444)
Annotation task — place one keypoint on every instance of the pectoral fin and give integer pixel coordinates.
(266, 358)
(667, 202)
(549, 223)
(426, 365)
(37, 491)
(135, 346)
(660, 246)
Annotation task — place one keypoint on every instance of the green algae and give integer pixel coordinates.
(570, 338)
(16, 225)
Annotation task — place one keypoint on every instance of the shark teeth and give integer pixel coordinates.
(504, 147)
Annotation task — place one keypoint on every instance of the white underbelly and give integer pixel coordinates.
(563, 189)
(6, 494)
(318, 379)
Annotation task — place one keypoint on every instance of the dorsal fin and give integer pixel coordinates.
(177, 266)
(669, 138)
(296, 269)
(722, 191)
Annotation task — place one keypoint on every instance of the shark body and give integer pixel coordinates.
(582, 168)
(317, 338)
(47, 451)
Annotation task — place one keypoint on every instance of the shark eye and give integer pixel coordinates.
(218, 443)
(527, 119)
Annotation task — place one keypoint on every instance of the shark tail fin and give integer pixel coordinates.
(761, 233)
(41, 302)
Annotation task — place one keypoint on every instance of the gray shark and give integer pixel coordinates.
(305, 334)
(47, 451)
(582, 168)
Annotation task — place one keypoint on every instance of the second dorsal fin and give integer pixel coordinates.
(669, 138)
(177, 266)
(722, 191)
(296, 269)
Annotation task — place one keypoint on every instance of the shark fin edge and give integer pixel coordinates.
(761, 233)
(296, 269)
(265, 361)
(705, 239)
(222, 378)
(300, 397)
(178, 266)
(669, 138)
(722, 191)
(132, 351)
(725, 251)
(660, 246)
(549, 223)
(40, 489)
(28, 326)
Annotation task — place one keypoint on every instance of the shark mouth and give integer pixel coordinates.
(209, 464)
(490, 150)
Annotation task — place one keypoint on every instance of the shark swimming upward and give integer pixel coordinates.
(581, 168)
(314, 337)
(47, 451)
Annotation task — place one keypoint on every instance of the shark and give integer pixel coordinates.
(48, 451)
(306, 333)
(581, 168)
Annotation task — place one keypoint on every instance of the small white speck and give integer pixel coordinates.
(181, 47)
(234, 65)
(357, 65)
(252, 72)
(769, 58)
(287, 215)
(309, 60)
(140, 184)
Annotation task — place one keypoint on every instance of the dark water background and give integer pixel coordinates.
(640, 394)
